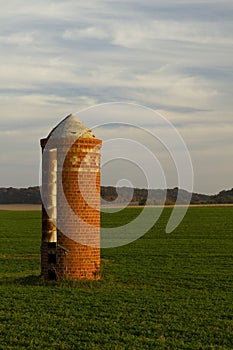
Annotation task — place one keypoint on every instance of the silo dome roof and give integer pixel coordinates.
(70, 127)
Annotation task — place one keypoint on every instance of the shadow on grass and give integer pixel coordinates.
(37, 280)
(22, 279)
(30, 280)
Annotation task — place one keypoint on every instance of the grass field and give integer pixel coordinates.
(164, 291)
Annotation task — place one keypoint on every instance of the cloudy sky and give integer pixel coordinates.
(174, 56)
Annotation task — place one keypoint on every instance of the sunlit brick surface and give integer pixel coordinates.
(79, 178)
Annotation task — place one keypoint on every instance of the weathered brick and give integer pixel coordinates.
(81, 185)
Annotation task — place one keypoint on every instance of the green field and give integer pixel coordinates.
(164, 291)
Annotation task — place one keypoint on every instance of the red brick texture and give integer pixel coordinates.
(79, 177)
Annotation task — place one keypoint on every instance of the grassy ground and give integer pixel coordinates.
(164, 291)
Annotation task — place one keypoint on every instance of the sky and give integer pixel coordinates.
(172, 56)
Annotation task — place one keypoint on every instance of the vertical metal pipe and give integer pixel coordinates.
(49, 193)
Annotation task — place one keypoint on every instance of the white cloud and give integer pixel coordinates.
(86, 33)
(144, 35)
(46, 110)
(23, 38)
(182, 89)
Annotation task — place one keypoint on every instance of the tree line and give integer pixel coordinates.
(112, 195)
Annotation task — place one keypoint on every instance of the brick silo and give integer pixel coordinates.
(70, 246)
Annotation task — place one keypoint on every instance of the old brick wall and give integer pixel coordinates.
(81, 185)
(79, 178)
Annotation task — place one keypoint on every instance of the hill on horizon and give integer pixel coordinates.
(122, 195)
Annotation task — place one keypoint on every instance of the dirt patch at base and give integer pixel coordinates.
(22, 207)
(25, 207)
